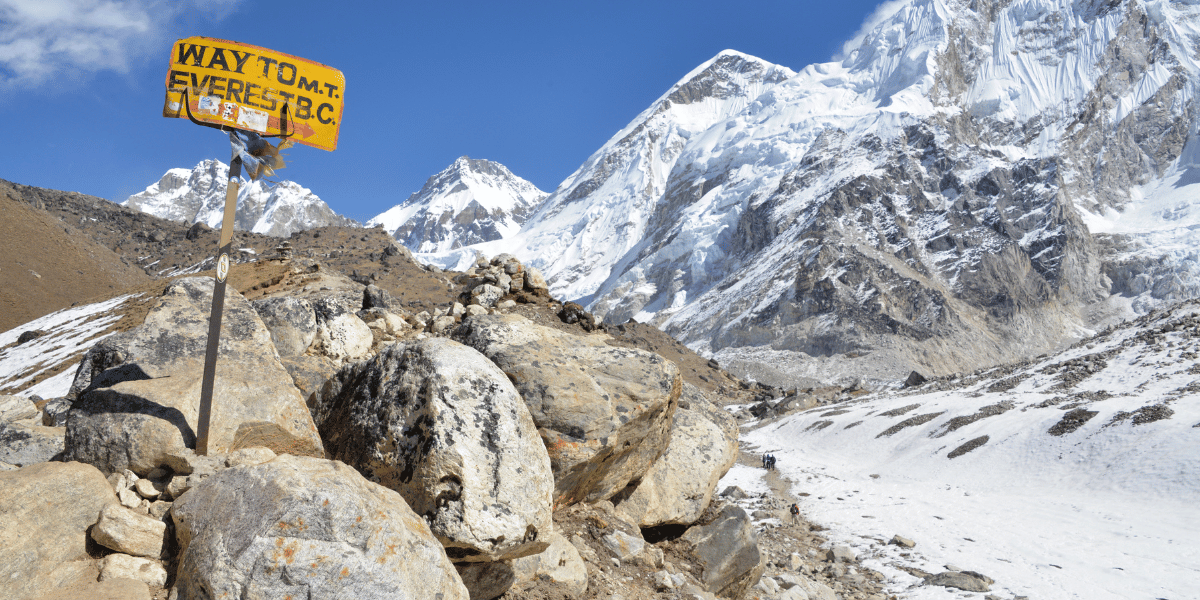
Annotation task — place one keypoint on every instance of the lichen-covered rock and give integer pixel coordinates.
(680, 484)
(139, 391)
(291, 321)
(309, 528)
(24, 443)
(604, 412)
(47, 509)
(439, 423)
(341, 335)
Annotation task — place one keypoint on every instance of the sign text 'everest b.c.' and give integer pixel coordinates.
(223, 83)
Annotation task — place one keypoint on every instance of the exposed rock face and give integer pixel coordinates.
(291, 321)
(679, 485)
(442, 425)
(47, 510)
(139, 392)
(728, 550)
(603, 412)
(341, 335)
(309, 528)
(25, 443)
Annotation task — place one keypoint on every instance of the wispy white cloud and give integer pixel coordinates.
(881, 13)
(43, 42)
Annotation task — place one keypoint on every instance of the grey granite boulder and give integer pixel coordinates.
(139, 391)
(727, 551)
(604, 412)
(439, 423)
(305, 528)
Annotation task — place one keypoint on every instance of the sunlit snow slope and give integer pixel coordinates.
(1069, 476)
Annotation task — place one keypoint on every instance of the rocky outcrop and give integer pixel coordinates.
(309, 528)
(291, 321)
(603, 412)
(341, 335)
(139, 392)
(440, 424)
(47, 510)
(727, 548)
(679, 485)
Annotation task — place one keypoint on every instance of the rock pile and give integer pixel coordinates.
(463, 453)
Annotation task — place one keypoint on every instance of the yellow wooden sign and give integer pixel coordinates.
(235, 85)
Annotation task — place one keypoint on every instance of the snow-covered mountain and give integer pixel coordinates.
(198, 195)
(470, 202)
(975, 182)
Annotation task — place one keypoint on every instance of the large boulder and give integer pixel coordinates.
(304, 527)
(603, 412)
(139, 391)
(291, 321)
(680, 484)
(24, 443)
(47, 509)
(341, 334)
(16, 408)
(439, 423)
(727, 551)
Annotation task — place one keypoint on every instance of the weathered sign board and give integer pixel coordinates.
(239, 86)
(252, 93)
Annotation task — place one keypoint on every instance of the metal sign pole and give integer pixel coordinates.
(218, 305)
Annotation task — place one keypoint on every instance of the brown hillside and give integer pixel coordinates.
(47, 266)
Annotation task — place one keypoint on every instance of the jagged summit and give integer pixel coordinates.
(975, 182)
(198, 195)
(469, 202)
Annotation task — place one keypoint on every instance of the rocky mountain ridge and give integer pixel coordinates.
(470, 202)
(270, 208)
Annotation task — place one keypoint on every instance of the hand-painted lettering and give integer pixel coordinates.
(269, 95)
(332, 91)
(266, 63)
(303, 107)
(234, 90)
(241, 58)
(202, 85)
(218, 58)
(218, 86)
(291, 80)
(192, 51)
(308, 86)
(320, 113)
(178, 79)
(250, 93)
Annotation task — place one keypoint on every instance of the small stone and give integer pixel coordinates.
(124, 530)
(840, 554)
(128, 498)
(177, 486)
(147, 489)
(159, 509)
(124, 566)
(735, 492)
(898, 540)
(623, 545)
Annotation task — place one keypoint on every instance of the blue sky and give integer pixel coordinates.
(537, 86)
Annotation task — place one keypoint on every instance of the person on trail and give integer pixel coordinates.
(764, 460)
(795, 510)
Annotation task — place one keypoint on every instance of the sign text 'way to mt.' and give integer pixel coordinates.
(241, 86)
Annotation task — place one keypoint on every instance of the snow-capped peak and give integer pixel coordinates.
(198, 195)
(469, 202)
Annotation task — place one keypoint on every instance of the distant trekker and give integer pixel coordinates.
(795, 510)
